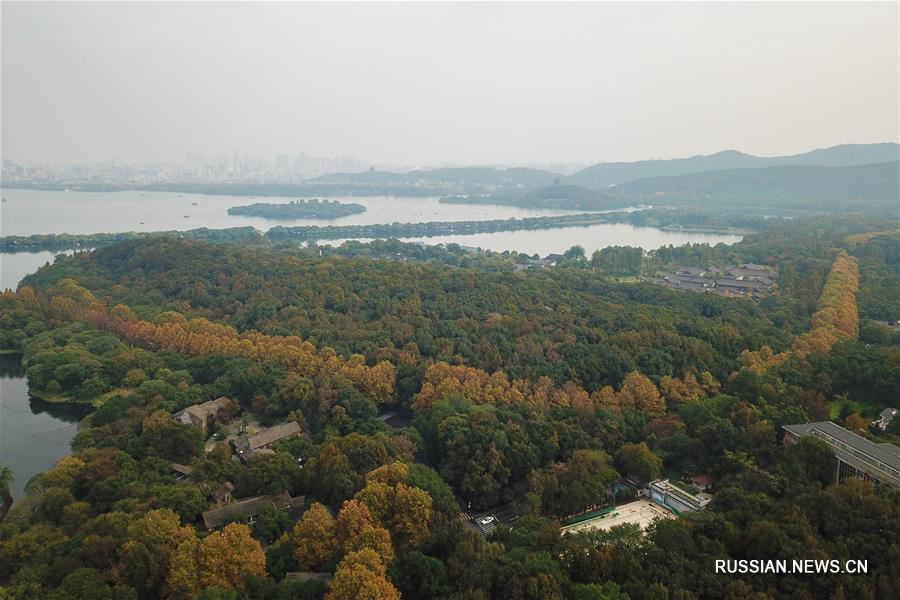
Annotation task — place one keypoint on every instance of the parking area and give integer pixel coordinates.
(640, 512)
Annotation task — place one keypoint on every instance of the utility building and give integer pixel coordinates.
(856, 456)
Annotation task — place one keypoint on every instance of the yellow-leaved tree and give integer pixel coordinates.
(403, 510)
(222, 559)
(361, 575)
(315, 539)
(356, 529)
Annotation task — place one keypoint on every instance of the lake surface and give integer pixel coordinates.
(558, 240)
(13, 267)
(28, 212)
(33, 434)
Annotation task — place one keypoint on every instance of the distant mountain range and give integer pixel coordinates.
(779, 190)
(604, 175)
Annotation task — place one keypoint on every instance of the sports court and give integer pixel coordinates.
(641, 512)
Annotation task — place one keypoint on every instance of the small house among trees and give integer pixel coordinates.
(247, 509)
(204, 415)
(246, 445)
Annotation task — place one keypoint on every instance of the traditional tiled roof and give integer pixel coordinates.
(249, 507)
(270, 436)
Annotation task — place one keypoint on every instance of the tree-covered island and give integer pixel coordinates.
(312, 208)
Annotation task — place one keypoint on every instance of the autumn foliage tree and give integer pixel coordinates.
(315, 539)
(636, 393)
(172, 331)
(855, 422)
(403, 510)
(685, 389)
(496, 389)
(222, 560)
(356, 529)
(226, 559)
(760, 361)
(836, 317)
(362, 575)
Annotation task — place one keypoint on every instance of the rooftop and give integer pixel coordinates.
(209, 407)
(249, 507)
(272, 435)
(853, 448)
(682, 491)
(182, 469)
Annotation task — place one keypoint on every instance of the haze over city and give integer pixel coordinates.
(435, 84)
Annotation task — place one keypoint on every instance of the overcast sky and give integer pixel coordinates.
(420, 84)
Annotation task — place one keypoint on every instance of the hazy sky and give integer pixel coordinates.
(435, 83)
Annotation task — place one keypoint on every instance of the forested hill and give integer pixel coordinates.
(781, 190)
(561, 323)
(537, 395)
(801, 188)
(603, 175)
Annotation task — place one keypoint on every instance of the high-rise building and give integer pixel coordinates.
(236, 164)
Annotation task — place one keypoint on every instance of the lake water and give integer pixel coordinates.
(33, 434)
(558, 240)
(28, 212)
(13, 267)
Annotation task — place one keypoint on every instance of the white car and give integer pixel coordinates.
(486, 520)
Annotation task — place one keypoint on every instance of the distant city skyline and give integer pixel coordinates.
(444, 83)
(234, 166)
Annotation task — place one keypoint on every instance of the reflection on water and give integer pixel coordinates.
(33, 434)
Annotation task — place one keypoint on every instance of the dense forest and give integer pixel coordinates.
(541, 393)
